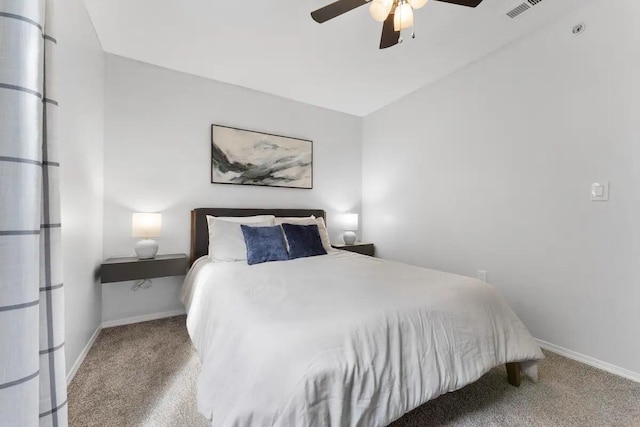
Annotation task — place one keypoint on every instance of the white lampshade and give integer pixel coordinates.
(403, 17)
(349, 221)
(146, 225)
(417, 4)
(379, 9)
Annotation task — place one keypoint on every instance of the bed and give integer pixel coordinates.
(340, 339)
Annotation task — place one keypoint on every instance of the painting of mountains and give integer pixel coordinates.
(253, 158)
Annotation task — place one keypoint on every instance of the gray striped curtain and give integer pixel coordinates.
(32, 365)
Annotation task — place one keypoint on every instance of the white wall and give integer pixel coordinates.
(80, 74)
(157, 158)
(491, 169)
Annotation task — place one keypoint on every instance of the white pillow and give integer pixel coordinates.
(309, 220)
(324, 234)
(298, 220)
(243, 219)
(226, 241)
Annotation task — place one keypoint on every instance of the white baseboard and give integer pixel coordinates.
(143, 318)
(587, 360)
(83, 354)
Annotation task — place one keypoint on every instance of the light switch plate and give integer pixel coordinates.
(600, 191)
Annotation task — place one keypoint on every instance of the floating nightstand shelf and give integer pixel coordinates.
(132, 268)
(358, 247)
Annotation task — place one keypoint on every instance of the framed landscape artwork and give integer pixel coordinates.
(246, 157)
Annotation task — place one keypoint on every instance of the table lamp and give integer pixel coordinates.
(146, 225)
(350, 224)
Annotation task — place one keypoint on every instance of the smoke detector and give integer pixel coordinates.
(578, 29)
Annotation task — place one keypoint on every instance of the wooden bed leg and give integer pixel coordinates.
(513, 373)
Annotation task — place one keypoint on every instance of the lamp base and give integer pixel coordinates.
(349, 237)
(146, 249)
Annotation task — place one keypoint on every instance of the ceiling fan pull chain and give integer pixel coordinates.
(399, 11)
(413, 30)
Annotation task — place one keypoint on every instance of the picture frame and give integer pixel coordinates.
(248, 157)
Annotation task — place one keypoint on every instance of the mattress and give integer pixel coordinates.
(341, 339)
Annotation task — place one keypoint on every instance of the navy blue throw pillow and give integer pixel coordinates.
(264, 244)
(304, 240)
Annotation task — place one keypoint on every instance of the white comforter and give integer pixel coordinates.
(341, 339)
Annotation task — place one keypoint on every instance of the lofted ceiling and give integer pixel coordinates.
(275, 47)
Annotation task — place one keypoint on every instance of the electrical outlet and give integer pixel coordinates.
(482, 275)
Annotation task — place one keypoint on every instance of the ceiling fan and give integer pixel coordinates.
(396, 15)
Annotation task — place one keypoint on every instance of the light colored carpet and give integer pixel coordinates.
(145, 374)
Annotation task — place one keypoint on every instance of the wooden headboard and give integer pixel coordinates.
(200, 230)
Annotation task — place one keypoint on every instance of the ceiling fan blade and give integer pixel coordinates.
(390, 37)
(470, 3)
(336, 9)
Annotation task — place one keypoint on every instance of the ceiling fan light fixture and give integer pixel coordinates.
(380, 9)
(396, 15)
(417, 4)
(403, 17)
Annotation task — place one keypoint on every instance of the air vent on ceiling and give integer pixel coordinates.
(534, 2)
(518, 10)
